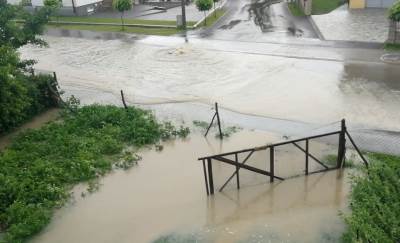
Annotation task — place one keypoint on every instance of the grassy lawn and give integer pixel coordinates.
(212, 19)
(137, 30)
(40, 166)
(118, 21)
(325, 6)
(375, 202)
(296, 10)
(392, 47)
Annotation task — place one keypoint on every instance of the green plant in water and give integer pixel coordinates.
(40, 166)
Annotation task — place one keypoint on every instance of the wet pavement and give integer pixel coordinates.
(366, 25)
(149, 13)
(259, 20)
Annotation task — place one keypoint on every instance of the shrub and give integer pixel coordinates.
(375, 202)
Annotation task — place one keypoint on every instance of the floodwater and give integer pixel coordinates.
(298, 82)
(164, 198)
(36, 122)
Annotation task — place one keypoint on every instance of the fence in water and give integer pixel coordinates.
(300, 144)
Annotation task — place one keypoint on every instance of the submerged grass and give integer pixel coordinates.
(105, 28)
(392, 47)
(40, 166)
(375, 202)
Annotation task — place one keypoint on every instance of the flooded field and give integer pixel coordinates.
(163, 199)
(279, 81)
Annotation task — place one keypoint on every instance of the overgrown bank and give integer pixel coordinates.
(375, 202)
(39, 168)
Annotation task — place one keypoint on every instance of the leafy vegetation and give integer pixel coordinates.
(122, 6)
(331, 160)
(394, 11)
(38, 169)
(204, 6)
(325, 6)
(392, 47)
(21, 94)
(295, 9)
(375, 202)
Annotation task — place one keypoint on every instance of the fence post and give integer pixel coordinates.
(271, 163)
(237, 172)
(205, 177)
(342, 145)
(218, 120)
(210, 176)
(123, 99)
(307, 156)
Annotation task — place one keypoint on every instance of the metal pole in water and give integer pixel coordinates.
(210, 176)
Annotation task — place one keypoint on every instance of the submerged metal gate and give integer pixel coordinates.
(208, 169)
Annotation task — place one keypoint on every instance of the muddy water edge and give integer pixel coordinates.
(36, 122)
(163, 199)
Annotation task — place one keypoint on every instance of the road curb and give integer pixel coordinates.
(315, 27)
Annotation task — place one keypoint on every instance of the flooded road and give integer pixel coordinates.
(163, 198)
(300, 82)
(258, 20)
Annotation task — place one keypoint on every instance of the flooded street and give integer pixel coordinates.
(300, 82)
(163, 198)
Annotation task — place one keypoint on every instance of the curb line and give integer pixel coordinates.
(315, 27)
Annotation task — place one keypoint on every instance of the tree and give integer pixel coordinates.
(122, 6)
(20, 93)
(54, 6)
(204, 5)
(394, 12)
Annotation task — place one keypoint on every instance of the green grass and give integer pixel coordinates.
(375, 202)
(325, 6)
(296, 10)
(211, 19)
(392, 47)
(39, 168)
(137, 30)
(118, 21)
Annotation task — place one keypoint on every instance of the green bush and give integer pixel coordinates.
(23, 97)
(394, 11)
(375, 202)
(40, 166)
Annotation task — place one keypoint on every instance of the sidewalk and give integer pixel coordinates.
(367, 25)
(147, 12)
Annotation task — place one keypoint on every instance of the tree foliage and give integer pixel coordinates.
(21, 95)
(394, 11)
(204, 5)
(122, 6)
(375, 202)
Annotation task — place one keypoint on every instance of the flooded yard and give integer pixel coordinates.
(163, 199)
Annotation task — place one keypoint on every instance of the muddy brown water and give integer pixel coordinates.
(164, 198)
(36, 122)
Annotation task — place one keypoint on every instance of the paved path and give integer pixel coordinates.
(369, 25)
(147, 12)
